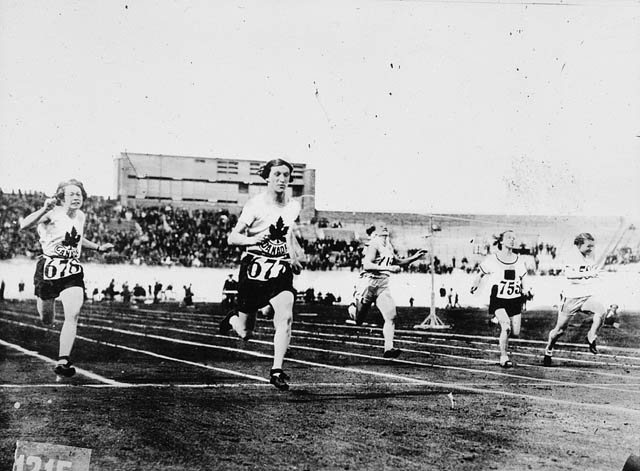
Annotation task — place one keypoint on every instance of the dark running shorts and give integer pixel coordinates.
(260, 280)
(512, 306)
(54, 275)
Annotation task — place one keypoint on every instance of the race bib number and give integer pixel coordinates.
(509, 289)
(386, 261)
(57, 268)
(263, 269)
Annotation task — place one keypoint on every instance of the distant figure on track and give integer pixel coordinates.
(60, 225)
(508, 272)
(265, 227)
(580, 270)
(380, 260)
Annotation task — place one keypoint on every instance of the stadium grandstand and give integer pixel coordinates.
(174, 210)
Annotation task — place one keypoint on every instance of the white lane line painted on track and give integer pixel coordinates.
(400, 340)
(453, 386)
(401, 384)
(348, 384)
(81, 371)
(414, 333)
(350, 354)
(153, 354)
(471, 370)
(475, 349)
(345, 342)
(480, 360)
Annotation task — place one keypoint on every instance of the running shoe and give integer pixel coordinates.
(279, 378)
(66, 370)
(393, 353)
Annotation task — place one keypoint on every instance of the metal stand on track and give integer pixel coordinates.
(432, 321)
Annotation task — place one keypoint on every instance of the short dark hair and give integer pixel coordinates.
(66, 183)
(265, 170)
(582, 238)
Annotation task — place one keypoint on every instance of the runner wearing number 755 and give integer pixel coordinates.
(507, 271)
(60, 225)
(265, 227)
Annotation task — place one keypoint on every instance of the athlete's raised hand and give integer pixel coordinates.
(49, 204)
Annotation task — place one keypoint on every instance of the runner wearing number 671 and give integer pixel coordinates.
(60, 225)
(265, 227)
(507, 271)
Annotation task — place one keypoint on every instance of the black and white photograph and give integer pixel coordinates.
(320, 235)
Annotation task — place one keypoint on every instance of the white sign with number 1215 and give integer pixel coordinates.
(33, 456)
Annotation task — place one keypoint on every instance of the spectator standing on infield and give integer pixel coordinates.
(265, 227)
(229, 292)
(580, 271)
(508, 272)
(60, 225)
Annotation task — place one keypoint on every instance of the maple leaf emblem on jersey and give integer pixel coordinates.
(279, 231)
(71, 239)
(68, 248)
(276, 244)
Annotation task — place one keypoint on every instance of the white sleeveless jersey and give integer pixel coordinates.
(61, 236)
(506, 276)
(262, 216)
(579, 272)
(385, 256)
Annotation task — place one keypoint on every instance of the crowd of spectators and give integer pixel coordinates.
(161, 235)
(165, 235)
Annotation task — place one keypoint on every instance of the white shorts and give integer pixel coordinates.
(370, 287)
(583, 303)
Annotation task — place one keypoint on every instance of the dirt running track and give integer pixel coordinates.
(159, 389)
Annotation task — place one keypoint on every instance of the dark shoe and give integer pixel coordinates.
(592, 346)
(393, 353)
(547, 360)
(279, 379)
(65, 370)
(507, 364)
(225, 326)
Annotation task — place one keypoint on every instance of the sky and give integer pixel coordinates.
(488, 107)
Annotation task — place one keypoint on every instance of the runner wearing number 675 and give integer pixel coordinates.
(60, 225)
(265, 227)
(507, 271)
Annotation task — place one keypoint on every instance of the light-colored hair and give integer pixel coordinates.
(582, 238)
(66, 183)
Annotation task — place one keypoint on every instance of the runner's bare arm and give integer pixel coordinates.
(237, 236)
(476, 282)
(41, 215)
(295, 250)
(409, 260)
(97, 247)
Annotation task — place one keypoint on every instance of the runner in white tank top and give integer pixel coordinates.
(380, 260)
(60, 225)
(272, 257)
(580, 272)
(507, 272)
